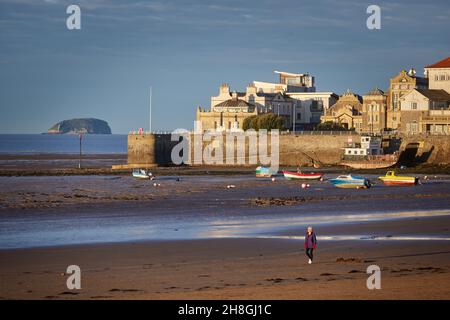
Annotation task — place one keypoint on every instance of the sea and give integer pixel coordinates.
(63, 144)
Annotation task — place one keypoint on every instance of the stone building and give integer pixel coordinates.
(228, 115)
(438, 75)
(293, 98)
(374, 111)
(275, 101)
(307, 105)
(426, 110)
(400, 85)
(347, 112)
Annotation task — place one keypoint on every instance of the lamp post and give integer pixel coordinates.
(80, 136)
(294, 112)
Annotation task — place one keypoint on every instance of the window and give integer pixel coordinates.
(414, 105)
(299, 116)
(442, 77)
(395, 100)
(436, 78)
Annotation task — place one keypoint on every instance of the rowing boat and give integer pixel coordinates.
(301, 176)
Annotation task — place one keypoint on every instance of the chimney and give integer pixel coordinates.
(225, 88)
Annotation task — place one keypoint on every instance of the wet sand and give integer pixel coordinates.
(253, 267)
(229, 269)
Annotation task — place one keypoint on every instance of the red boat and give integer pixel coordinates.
(301, 176)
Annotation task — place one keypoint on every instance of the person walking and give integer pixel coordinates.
(310, 243)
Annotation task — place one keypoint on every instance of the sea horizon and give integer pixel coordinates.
(38, 143)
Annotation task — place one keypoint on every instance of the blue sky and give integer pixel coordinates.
(186, 49)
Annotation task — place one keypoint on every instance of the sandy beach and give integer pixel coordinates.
(192, 237)
(229, 269)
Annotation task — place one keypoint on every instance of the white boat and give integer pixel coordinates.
(141, 174)
(301, 176)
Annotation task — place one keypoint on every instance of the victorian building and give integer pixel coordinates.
(307, 105)
(428, 110)
(293, 98)
(374, 109)
(346, 112)
(400, 85)
(228, 115)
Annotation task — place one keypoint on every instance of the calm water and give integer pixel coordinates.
(48, 143)
(55, 229)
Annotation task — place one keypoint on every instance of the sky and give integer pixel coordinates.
(185, 49)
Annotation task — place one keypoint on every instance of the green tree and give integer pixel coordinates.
(266, 121)
(330, 126)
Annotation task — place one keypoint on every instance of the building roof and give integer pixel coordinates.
(290, 74)
(375, 92)
(435, 95)
(233, 103)
(444, 63)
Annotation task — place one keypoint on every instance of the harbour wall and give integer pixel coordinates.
(149, 150)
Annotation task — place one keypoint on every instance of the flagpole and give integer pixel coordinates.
(150, 119)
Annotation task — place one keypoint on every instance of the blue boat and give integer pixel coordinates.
(350, 181)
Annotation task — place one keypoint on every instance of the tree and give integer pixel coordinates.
(330, 126)
(266, 121)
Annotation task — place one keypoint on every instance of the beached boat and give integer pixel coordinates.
(301, 176)
(368, 154)
(264, 172)
(351, 181)
(392, 179)
(141, 174)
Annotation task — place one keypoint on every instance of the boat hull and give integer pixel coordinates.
(264, 172)
(397, 182)
(372, 162)
(141, 176)
(301, 176)
(367, 164)
(351, 186)
(353, 183)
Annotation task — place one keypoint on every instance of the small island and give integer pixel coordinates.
(83, 125)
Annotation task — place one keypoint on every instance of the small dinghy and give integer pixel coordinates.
(301, 176)
(142, 174)
(350, 181)
(264, 172)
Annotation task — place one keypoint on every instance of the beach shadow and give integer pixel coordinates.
(410, 255)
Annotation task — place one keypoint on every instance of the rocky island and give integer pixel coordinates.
(83, 125)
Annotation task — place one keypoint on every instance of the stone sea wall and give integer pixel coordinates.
(148, 150)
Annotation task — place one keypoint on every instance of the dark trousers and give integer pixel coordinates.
(309, 253)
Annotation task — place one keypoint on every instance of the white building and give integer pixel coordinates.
(294, 98)
(368, 146)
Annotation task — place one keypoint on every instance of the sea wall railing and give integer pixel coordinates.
(322, 133)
